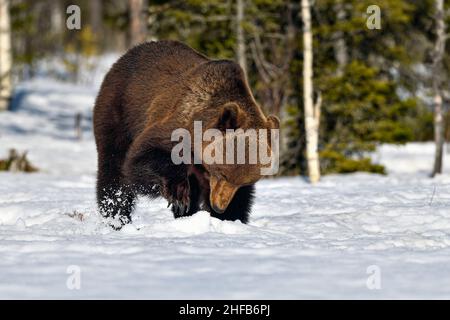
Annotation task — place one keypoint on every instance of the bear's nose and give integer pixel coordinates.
(217, 209)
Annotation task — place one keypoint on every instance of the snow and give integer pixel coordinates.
(302, 241)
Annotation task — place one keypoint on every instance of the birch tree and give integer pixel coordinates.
(312, 111)
(5, 55)
(438, 54)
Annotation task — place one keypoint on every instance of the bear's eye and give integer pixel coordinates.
(224, 177)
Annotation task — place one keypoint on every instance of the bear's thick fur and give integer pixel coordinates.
(153, 89)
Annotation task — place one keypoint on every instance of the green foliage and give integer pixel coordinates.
(39, 32)
(79, 50)
(360, 104)
(374, 99)
(335, 162)
(84, 43)
(360, 110)
(204, 25)
(23, 26)
(370, 99)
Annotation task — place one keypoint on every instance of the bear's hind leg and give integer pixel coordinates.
(115, 198)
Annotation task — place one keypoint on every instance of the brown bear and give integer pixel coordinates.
(152, 90)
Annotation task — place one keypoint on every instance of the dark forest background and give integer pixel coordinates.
(375, 85)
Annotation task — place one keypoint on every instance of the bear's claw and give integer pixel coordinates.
(177, 195)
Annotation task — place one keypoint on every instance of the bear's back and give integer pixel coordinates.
(151, 65)
(140, 75)
(160, 58)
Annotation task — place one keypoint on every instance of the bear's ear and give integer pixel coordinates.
(229, 117)
(273, 122)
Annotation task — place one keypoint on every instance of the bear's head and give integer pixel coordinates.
(246, 135)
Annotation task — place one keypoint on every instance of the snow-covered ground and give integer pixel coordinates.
(337, 239)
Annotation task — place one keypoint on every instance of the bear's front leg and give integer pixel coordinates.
(177, 194)
(193, 190)
(151, 171)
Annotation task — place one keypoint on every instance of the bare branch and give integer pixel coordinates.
(264, 76)
(269, 67)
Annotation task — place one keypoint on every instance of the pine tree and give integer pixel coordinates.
(360, 73)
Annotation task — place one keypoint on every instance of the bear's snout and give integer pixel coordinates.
(221, 194)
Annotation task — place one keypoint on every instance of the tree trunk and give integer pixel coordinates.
(95, 17)
(138, 25)
(312, 111)
(240, 35)
(438, 134)
(438, 54)
(340, 47)
(5, 56)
